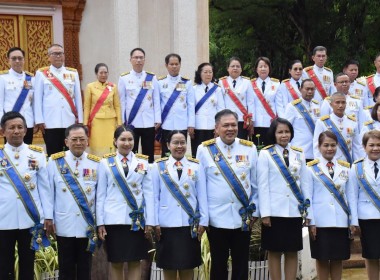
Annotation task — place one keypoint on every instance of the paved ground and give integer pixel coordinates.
(354, 274)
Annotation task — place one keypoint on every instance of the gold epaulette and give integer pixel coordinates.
(360, 82)
(246, 142)
(328, 98)
(194, 84)
(359, 160)
(245, 77)
(253, 79)
(161, 159)
(352, 118)
(313, 162)
(224, 77)
(44, 68)
(308, 68)
(58, 155)
(354, 96)
(267, 147)
(123, 74)
(185, 78)
(294, 102)
(216, 84)
(370, 76)
(325, 117)
(208, 142)
(193, 159)
(1, 147)
(343, 163)
(285, 80)
(315, 101)
(296, 149)
(328, 69)
(369, 107)
(275, 80)
(109, 155)
(142, 156)
(94, 158)
(36, 148)
(161, 78)
(4, 72)
(28, 73)
(150, 73)
(71, 69)
(369, 122)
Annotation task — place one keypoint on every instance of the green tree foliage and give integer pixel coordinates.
(283, 30)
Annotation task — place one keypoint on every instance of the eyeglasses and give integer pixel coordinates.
(138, 57)
(17, 58)
(178, 143)
(343, 82)
(297, 69)
(57, 54)
(76, 140)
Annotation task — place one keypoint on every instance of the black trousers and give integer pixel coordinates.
(263, 139)
(55, 140)
(221, 241)
(242, 133)
(8, 240)
(28, 138)
(147, 141)
(73, 259)
(200, 135)
(164, 147)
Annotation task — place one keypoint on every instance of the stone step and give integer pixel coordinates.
(355, 261)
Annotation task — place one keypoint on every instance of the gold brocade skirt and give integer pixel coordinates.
(101, 138)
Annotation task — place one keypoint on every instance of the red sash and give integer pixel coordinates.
(97, 106)
(371, 84)
(317, 83)
(246, 116)
(291, 90)
(61, 88)
(262, 100)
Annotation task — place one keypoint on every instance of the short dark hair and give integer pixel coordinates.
(267, 62)
(319, 49)
(15, 49)
(136, 49)
(376, 93)
(167, 58)
(291, 63)
(120, 130)
(197, 77)
(374, 111)
(75, 126)
(100, 65)
(338, 93)
(173, 132)
(350, 62)
(326, 134)
(306, 81)
(370, 134)
(10, 116)
(225, 112)
(235, 58)
(340, 74)
(271, 134)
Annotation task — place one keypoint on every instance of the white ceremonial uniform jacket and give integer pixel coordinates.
(349, 131)
(68, 218)
(244, 91)
(354, 108)
(11, 85)
(362, 206)
(50, 106)
(111, 207)
(182, 113)
(205, 117)
(31, 165)
(223, 205)
(303, 136)
(284, 97)
(367, 111)
(276, 198)
(375, 125)
(376, 82)
(262, 118)
(168, 211)
(359, 89)
(326, 210)
(326, 78)
(129, 87)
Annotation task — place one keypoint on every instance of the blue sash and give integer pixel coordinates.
(38, 233)
(81, 200)
(178, 195)
(24, 93)
(371, 193)
(204, 98)
(306, 116)
(370, 126)
(138, 101)
(137, 214)
(303, 204)
(341, 141)
(234, 183)
(173, 97)
(329, 184)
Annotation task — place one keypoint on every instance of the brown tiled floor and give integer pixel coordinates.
(354, 274)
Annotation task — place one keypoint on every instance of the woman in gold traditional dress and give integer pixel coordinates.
(102, 112)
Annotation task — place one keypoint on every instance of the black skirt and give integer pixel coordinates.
(331, 244)
(370, 238)
(285, 235)
(125, 245)
(177, 250)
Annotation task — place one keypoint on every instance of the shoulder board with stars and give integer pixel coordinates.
(313, 162)
(315, 101)
(4, 72)
(1, 147)
(308, 68)
(43, 68)
(185, 78)
(285, 80)
(370, 76)
(328, 69)
(328, 98)
(224, 77)
(296, 149)
(36, 148)
(58, 155)
(109, 155)
(294, 102)
(193, 159)
(343, 163)
(150, 73)
(28, 73)
(354, 96)
(208, 142)
(216, 84)
(161, 159)
(94, 158)
(142, 156)
(325, 117)
(275, 80)
(161, 78)
(71, 69)
(369, 107)
(253, 79)
(267, 147)
(245, 77)
(246, 142)
(369, 122)
(360, 82)
(352, 118)
(123, 74)
(358, 160)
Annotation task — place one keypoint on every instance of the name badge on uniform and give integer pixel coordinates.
(141, 168)
(147, 85)
(193, 174)
(33, 164)
(242, 160)
(181, 87)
